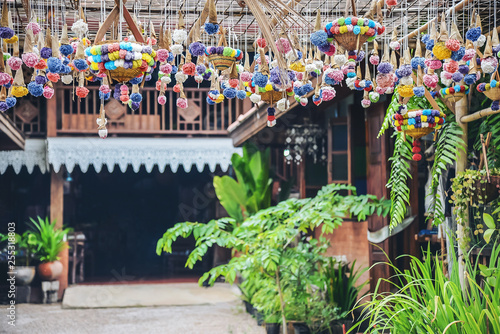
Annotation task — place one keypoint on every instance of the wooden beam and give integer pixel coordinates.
(12, 138)
(52, 112)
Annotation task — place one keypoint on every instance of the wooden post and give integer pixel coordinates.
(56, 213)
(52, 113)
(461, 109)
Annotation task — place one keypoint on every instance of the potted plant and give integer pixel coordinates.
(25, 251)
(50, 241)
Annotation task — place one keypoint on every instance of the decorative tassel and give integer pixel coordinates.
(271, 120)
(417, 156)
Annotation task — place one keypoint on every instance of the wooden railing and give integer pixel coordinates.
(78, 116)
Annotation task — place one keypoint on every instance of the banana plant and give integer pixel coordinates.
(251, 191)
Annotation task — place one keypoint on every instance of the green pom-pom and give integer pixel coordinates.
(262, 89)
(341, 21)
(361, 22)
(227, 51)
(6, 56)
(330, 40)
(371, 38)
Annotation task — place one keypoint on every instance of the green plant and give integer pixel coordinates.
(26, 247)
(48, 239)
(251, 191)
(490, 223)
(428, 301)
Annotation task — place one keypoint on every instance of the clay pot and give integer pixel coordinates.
(24, 275)
(50, 271)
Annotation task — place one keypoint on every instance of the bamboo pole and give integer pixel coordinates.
(459, 6)
(478, 114)
(461, 108)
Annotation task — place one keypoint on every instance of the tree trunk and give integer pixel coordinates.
(282, 302)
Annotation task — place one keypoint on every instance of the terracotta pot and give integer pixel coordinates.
(50, 271)
(24, 275)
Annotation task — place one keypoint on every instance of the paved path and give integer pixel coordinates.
(219, 318)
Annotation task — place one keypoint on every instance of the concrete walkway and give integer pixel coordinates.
(219, 318)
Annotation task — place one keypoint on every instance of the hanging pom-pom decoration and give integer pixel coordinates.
(417, 156)
(48, 92)
(124, 97)
(271, 119)
(101, 122)
(35, 89)
(82, 92)
(162, 99)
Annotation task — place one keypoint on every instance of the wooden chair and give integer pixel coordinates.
(76, 241)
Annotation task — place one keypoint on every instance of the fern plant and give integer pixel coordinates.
(48, 239)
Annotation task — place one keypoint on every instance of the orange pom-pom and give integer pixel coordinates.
(82, 92)
(177, 88)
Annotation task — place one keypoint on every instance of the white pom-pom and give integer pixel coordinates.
(180, 77)
(166, 79)
(318, 64)
(179, 36)
(291, 55)
(480, 41)
(350, 82)
(340, 60)
(255, 98)
(80, 27)
(198, 78)
(406, 80)
(67, 79)
(176, 49)
(271, 123)
(389, 90)
(274, 63)
(283, 104)
(403, 110)
(303, 101)
(241, 68)
(310, 67)
(395, 45)
(103, 133)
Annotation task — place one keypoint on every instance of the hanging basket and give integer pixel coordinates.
(271, 96)
(493, 93)
(403, 125)
(419, 133)
(349, 40)
(486, 191)
(454, 97)
(221, 62)
(122, 74)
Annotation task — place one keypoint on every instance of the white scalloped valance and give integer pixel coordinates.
(34, 154)
(122, 152)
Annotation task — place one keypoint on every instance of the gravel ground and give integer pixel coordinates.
(220, 318)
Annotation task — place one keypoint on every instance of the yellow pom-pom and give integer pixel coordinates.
(487, 86)
(219, 99)
(11, 40)
(94, 66)
(405, 90)
(19, 91)
(245, 84)
(269, 87)
(423, 118)
(93, 50)
(343, 29)
(233, 54)
(440, 51)
(396, 123)
(248, 93)
(447, 91)
(114, 55)
(411, 127)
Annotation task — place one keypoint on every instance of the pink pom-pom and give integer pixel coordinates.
(299, 75)
(182, 103)
(162, 99)
(258, 60)
(162, 55)
(124, 98)
(189, 68)
(391, 2)
(337, 75)
(246, 76)
(124, 89)
(446, 75)
(365, 103)
(234, 83)
(48, 92)
(75, 46)
(298, 83)
(34, 27)
(283, 45)
(158, 85)
(331, 51)
(374, 60)
(328, 94)
(431, 80)
(14, 63)
(166, 68)
(469, 54)
(452, 44)
(380, 90)
(104, 89)
(101, 75)
(451, 66)
(4, 78)
(384, 80)
(433, 64)
(30, 59)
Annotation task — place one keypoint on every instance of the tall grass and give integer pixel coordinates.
(428, 301)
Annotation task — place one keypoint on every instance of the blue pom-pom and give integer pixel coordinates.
(3, 106)
(211, 28)
(470, 79)
(458, 55)
(80, 64)
(66, 49)
(426, 38)
(319, 38)
(329, 81)
(473, 34)
(11, 101)
(356, 30)
(35, 89)
(6, 33)
(170, 57)
(429, 45)
(65, 69)
(229, 93)
(136, 80)
(174, 69)
(54, 65)
(419, 91)
(495, 105)
(260, 79)
(136, 97)
(241, 94)
(418, 61)
(210, 102)
(103, 96)
(270, 111)
(46, 53)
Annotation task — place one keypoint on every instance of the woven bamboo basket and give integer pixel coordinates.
(221, 62)
(271, 96)
(454, 97)
(486, 191)
(121, 74)
(419, 132)
(349, 40)
(493, 93)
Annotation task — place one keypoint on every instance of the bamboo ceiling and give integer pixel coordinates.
(238, 21)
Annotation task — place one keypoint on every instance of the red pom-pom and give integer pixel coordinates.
(417, 157)
(41, 65)
(177, 88)
(381, 30)
(189, 68)
(391, 2)
(144, 66)
(452, 90)
(82, 92)
(234, 83)
(158, 85)
(261, 42)
(416, 149)
(416, 143)
(462, 89)
(54, 77)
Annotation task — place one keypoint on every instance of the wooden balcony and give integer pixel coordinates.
(69, 115)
